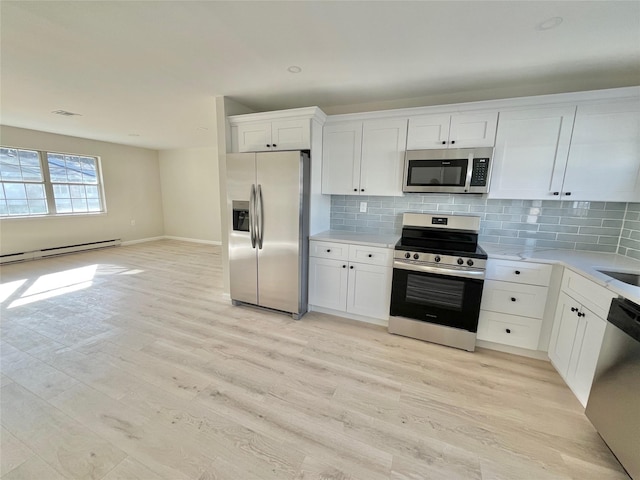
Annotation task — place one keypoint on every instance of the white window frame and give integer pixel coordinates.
(49, 184)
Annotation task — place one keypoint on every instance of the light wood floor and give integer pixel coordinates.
(130, 363)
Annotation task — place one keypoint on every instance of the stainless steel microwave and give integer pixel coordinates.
(461, 170)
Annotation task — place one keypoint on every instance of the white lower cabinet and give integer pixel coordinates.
(328, 283)
(577, 334)
(522, 332)
(359, 283)
(369, 290)
(514, 298)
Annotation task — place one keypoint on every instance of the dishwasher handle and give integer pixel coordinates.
(625, 315)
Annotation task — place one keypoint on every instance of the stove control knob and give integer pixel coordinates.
(407, 255)
(460, 261)
(416, 256)
(470, 262)
(437, 259)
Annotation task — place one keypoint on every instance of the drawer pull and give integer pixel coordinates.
(328, 250)
(513, 299)
(517, 272)
(351, 267)
(574, 309)
(370, 255)
(580, 314)
(344, 266)
(508, 330)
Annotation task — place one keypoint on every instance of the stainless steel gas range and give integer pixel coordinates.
(438, 276)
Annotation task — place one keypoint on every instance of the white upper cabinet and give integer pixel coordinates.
(341, 152)
(280, 130)
(586, 153)
(531, 152)
(276, 135)
(428, 131)
(458, 130)
(382, 166)
(604, 159)
(364, 158)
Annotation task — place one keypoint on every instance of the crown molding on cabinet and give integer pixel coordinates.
(633, 93)
(314, 113)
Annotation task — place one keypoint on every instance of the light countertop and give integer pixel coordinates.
(369, 239)
(581, 262)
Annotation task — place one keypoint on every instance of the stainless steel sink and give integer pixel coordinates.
(625, 277)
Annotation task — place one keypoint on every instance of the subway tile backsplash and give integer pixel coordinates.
(595, 226)
(630, 235)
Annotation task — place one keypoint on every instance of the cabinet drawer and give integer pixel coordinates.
(336, 251)
(371, 255)
(593, 296)
(519, 272)
(514, 299)
(512, 330)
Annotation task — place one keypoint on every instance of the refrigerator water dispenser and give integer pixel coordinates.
(240, 215)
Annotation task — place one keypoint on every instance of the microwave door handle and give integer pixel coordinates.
(467, 181)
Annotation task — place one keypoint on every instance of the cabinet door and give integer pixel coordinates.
(531, 153)
(291, 134)
(369, 290)
(254, 137)
(585, 352)
(564, 334)
(428, 131)
(382, 165)
(604, 160)
(328, 283)
(341, 152)
(473, 129)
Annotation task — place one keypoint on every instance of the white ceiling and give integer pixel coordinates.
(152, 69)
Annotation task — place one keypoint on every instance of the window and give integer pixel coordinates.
(47, 183)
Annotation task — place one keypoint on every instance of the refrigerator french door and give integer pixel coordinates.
(268, 204)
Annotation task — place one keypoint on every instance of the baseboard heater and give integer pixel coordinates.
(50, 252)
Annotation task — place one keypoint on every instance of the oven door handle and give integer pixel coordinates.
(438, 270)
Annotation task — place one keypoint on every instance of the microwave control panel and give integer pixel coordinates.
(479, 172)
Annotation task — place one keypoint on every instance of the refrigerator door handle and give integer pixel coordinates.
(260, 218)
(252, 215)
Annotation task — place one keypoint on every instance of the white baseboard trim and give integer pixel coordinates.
(193, 240)
(141, 240)
(523, 352)
(351, 316)
(170, 237)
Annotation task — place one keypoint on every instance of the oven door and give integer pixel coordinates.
(437, 295)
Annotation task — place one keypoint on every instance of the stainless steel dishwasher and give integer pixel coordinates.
(614, 402)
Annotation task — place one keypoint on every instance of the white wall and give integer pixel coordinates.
(132, 190)
(190, 193)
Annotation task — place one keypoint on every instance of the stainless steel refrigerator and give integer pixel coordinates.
(268, 211)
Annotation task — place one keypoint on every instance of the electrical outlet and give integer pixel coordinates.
(363, 207)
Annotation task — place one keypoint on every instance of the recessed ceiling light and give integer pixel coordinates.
(64, 113)
(550, 23)
(203, 128)
(134, 134)
(294, 69)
